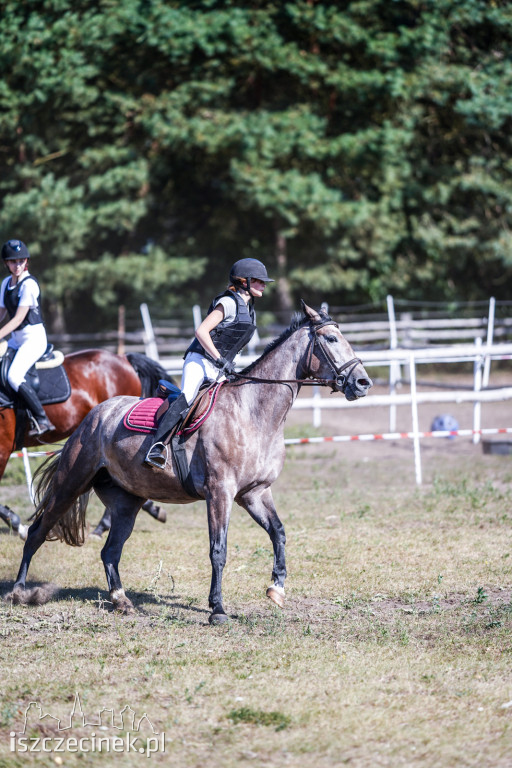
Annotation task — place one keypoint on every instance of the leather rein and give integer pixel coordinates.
(341, 372)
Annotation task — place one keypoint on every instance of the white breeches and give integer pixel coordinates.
(196, 370)
(29, 351)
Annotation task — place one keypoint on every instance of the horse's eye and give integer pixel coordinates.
(331, 339)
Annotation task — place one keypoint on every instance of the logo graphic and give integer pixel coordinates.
(139, 733)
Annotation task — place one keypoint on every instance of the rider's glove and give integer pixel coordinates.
(225, 366)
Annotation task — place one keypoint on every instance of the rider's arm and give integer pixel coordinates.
(210, 322)
(15, 322)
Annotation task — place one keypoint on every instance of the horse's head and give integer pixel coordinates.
(330, 357)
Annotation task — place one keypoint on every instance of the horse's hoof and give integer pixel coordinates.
(276, 594)
(162, 515)
(95, 536)
(218, 618)
(125, 607)
(121, 603)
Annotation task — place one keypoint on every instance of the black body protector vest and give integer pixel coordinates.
(230, 337)
(12, 299)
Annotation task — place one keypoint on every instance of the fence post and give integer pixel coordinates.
(28, 473)
(415, 421)
(317, 406)
(477, 386)
(394, 367)
(149, 335)
(196, 314)
(490, 337)
(253, 343)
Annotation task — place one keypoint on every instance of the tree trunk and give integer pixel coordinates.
(284, 297)
(56, 322)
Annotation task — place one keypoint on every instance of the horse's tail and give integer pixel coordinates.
(148, 371)
(71, 527)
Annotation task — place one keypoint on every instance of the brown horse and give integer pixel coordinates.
(94, 376)
(235, 456)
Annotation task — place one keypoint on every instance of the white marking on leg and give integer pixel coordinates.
(117, 594)
(23, 531)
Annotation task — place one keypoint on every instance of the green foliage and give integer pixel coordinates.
(358, 148)
(257, 717)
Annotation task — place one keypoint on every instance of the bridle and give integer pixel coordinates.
(341, 372)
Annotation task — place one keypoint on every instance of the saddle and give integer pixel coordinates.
(142, 417)
(47, 377)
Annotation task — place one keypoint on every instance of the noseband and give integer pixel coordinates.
(341, 372)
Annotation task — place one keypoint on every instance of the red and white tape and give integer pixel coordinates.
(398, 436)
(352, 438)
(31, 454)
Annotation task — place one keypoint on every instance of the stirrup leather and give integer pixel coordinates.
(157, 455)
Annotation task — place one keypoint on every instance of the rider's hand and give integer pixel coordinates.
(225, 366)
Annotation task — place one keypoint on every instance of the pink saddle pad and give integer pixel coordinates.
(141, 417)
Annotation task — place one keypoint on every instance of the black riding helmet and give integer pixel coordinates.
(14, 249)
(248, 268)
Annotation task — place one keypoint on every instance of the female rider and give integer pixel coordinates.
(20, 299)
(228, 326)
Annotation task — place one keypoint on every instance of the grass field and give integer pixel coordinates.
(394, 647)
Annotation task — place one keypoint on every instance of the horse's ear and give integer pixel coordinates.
(310, 313)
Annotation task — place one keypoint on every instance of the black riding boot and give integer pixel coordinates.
(157, 454)
(41, 421)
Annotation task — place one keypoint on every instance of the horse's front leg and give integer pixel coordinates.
(219, 509)
(260, 505)
(124, 508)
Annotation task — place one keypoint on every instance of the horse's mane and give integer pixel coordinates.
(298, 321)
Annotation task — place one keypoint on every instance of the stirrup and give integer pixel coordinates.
(157, 455)
(40, 428)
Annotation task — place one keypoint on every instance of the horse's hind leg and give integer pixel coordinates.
(260, 505)
(103, 525)
(124, 508)
(35, 538)
(9, 517)
(155, 511)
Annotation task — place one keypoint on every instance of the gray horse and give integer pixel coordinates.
(236, 456)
